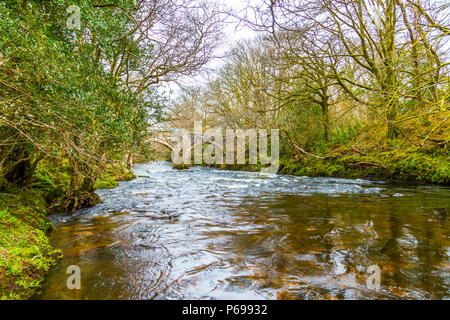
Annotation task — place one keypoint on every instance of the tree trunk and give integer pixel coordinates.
(30, 173)
(389, 85)
(20, 160)
(130, 161)
(326, 116)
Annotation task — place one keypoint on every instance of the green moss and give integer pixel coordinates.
(106, 182)
(418, 166)
(408, 165)
(404, 165)
(52, 180)
(127, 176)
(25, 252)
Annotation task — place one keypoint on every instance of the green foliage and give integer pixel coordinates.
(61, 100)
(305, 124)
(64, 119)
(52, 180)
(345, 134)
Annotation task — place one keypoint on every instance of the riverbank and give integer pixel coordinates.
(411, 166)
(25, 251)
(431, 166)
(26, 254)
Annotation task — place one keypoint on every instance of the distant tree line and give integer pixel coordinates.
(357, 73)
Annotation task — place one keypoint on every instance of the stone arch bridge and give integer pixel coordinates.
(168, 138)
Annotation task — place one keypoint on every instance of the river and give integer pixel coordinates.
(214, 234)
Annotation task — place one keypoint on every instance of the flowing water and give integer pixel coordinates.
(213, 234)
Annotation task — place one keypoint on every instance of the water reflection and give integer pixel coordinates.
(211, 234)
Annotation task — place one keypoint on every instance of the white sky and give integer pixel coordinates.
(233, 32)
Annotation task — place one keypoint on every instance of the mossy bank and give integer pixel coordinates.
(26, 254)
(392, 165)
(406, 165)
(25, 250)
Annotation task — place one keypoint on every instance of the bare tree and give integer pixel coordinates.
(178, 38)
(372, 46)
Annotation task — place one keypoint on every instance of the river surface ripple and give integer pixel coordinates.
(213, 234)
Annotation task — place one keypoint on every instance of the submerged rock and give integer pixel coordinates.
(181, 166)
